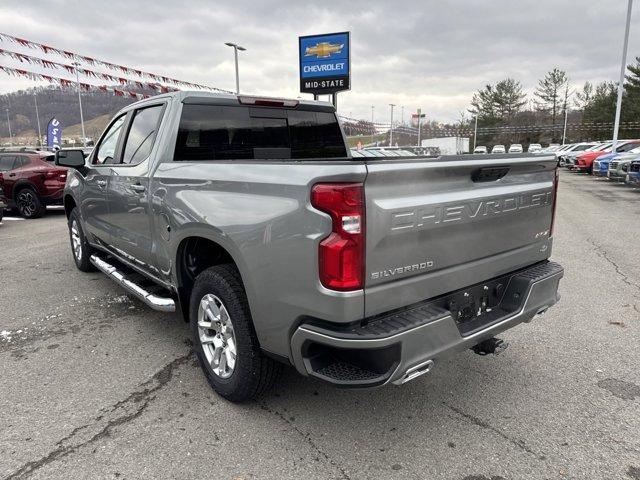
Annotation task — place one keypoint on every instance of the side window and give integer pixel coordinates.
(6, 162)
(107, 148)
(142, 134)
(22, 161)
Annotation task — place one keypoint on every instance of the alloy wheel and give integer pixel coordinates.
(217, 337)
(26, 202)
(76, 242)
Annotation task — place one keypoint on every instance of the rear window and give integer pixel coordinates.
(211, 132)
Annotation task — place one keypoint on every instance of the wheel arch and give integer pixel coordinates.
(69, 204)
(194, 254)
(22, 184)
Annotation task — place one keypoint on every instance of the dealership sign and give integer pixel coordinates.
(325, 63)
(54, 133)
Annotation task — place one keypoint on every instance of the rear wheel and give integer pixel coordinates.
(29, 204)
(80, 248)
(224, 339)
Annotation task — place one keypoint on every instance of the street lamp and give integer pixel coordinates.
(236, 47)
(623, 67)
(35, 101)
(391, 128)
(9, 125)
(84, 137)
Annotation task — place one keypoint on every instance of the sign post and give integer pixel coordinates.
(325, 64)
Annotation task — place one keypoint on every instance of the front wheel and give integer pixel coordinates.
(80, 248)
(224, 339)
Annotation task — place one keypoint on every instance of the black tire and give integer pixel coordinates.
(28, 203)
(253, 372)
(81, 258)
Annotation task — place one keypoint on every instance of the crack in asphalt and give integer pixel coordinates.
(138, 401)
(487, 426)
(307, 437)
(602, 253)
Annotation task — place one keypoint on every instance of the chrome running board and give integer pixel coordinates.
(162, 304)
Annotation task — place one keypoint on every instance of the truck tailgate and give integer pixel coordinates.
(434, 225)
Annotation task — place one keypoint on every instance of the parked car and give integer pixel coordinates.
(3, 202)
(31, 181)
(567, 156)
(515, 148)
(534, 148)
(498, 149)
(359, 272)
(584, 162)
(480, 149)
(633, 177)
(619, 168)
(601, 164)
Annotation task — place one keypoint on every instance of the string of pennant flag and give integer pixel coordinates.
(63, 82)
(84, 71)
(120, 69)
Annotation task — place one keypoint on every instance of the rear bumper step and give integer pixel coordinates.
(162, 304)
(405, 344)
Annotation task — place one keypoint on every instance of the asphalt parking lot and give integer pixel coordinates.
(96, 385)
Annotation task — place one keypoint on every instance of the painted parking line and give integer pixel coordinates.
(12, 219)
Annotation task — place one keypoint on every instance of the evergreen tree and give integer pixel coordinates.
(584, 97)
(602, 106)
(551, 93)
(508, 98)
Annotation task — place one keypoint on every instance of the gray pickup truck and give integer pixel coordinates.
(249, 217)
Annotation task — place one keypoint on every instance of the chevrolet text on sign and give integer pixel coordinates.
(324, 63)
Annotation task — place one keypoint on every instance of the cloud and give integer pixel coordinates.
(428, 54)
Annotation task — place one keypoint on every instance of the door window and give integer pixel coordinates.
(6, 162)
(142, 134)
(106, 151)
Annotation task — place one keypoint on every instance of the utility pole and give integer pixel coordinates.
(9, 124)
(419, 115)
(35, 101)
(84, 137)
(391, 126)
(623, 67)
(372, 108)
(402, 115)
(236, 47)
(566, 114)
(475, 133)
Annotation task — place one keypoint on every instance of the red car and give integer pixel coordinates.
(584, 162)
(31, 181)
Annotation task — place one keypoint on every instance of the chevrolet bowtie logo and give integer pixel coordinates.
(323, 49)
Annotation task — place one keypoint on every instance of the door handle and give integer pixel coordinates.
(136, 187)
(12, 174)
(101, 183)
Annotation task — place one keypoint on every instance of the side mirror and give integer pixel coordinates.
(70, 158)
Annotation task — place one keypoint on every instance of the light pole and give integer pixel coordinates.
(84, 137)
(9, 124)
(236, 47)
(35, 101)
(402, 115)
(623, 67)
(566, 114)
(475, 133)
(372, 108)
(419, 117)
(391, 127)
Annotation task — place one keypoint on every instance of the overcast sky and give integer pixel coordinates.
(429, 54)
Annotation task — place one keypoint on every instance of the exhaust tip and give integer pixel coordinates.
(415, 372)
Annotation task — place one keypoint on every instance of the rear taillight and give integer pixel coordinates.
(341, 255)
(554, 197)
(61, 174)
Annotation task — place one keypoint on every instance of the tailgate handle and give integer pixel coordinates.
(489, 174)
